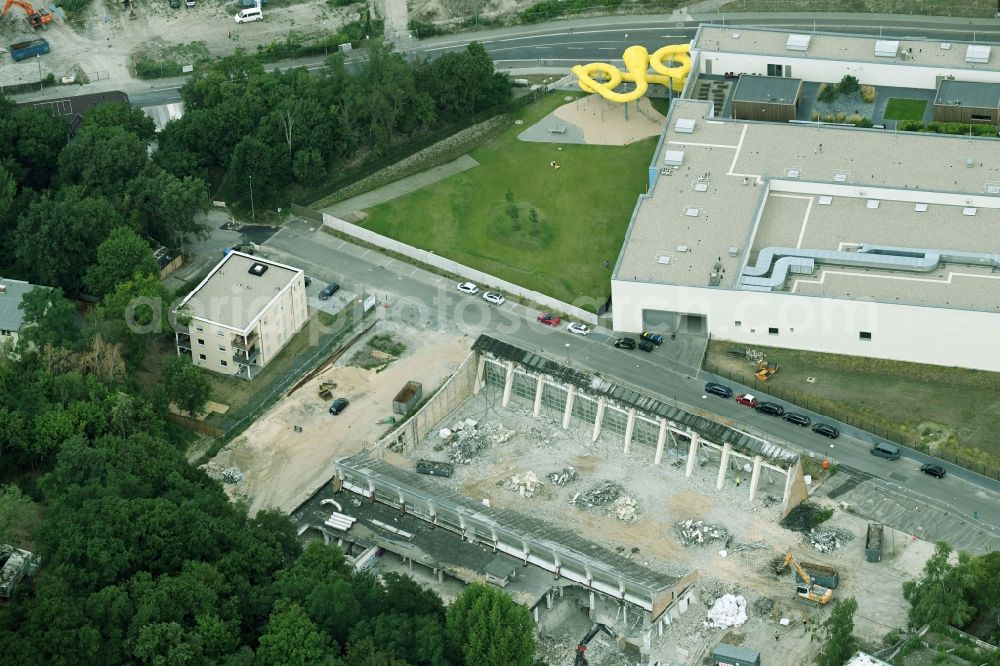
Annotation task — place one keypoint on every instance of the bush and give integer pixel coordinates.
(814, 116)
(828, 93)
(841, 117)
(910, 126)
(424, 29)
(864, 122)
(868, 94)
(848, 85)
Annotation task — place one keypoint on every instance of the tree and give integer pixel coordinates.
(938, 598)
(119, 114)
(292, 639)
(533, 218)
(103, 160)
(16, 509)
(120, 256)
(165, 207)
(489, 629)
(186, 386)
(49, 319)
(57, 238)
(137, 308)
(848, 85)
(513, 212)
(837, 634)
(828, 93)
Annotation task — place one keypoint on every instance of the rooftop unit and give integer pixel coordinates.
(977, 53)
(797, 42)
(885, 48)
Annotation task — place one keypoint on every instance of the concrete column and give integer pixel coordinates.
(723, 465)
(629, 429)
(409, 562)
(692, 454)
(539, 385)
(480, 376)
(601, 404)
(590, 609)
(548, 601)
(568, 411)
(440, 573)
(755, 476)
(508, 383)
(660, 440)
(536, 614)
(789, 475)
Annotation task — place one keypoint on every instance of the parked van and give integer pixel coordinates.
(888, 451)
(247, 15)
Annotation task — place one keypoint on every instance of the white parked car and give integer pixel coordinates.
(579, 329)
(248, 15)
(468, 288)
(494, 297)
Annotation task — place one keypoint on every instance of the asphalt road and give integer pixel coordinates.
(417, 302)
(566, 43)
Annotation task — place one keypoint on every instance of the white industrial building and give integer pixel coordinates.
(820, 237)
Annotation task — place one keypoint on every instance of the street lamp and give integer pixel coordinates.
(38, 59)
(253, 212)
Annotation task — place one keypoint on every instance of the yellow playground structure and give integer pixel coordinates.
(637, 63)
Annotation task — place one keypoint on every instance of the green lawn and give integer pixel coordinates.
(922, 404)
(583, 210)
(905, 109)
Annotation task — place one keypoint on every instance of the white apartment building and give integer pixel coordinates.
(242, 314)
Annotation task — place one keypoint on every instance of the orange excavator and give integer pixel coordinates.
(36, 17)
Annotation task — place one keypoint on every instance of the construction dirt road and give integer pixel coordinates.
(281, 468)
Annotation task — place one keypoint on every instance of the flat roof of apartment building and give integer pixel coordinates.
(238, 290)
(848, 48)
(729, 189)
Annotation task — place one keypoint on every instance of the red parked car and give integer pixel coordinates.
(746, 399)
(548, 319)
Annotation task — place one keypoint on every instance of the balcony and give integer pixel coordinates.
(244, 343)
(184, 343)
(248, 357)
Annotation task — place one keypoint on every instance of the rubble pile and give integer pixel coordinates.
(728, 611)
(710, 589)
(698, 532)
(562, 478)
(232, 475)
(763, 606)
(625, 509)
(466, 440)
(524, 484)
(829, 538)
(600, 495)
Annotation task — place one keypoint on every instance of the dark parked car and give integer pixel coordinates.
(328, 291)
(175, 4)
(719, 390)
(933, 470)
(655, 338)
(339, 405)
(771, 408)
(797, 419)
(646, 346)
(625, 343)
(826, 430)
(307, 280)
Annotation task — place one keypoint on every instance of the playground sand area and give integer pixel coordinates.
(595, 121)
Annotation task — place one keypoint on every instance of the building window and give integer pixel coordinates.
(4, 332)
(865, 335)
(772, 331)
(201, 341)
(199, 328)
(202, 357)
(222, 348)
(224, 364)
(979, 116)
(219, 333)
(738, 324)
(775, 70)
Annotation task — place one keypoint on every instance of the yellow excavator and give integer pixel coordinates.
(807, 589)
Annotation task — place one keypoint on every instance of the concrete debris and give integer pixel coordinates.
(698, 532)
(728, 611)
(710, 589)
(763, 606)
(600, 495)
(524, 484)
(829, 538)
(625, 509)
(467, 440)
(862, 659)
(750, 545)
(232, 475)
(562, 478)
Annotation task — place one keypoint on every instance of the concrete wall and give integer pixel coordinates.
(211, 347)
(479, 277)
(894, 72)
(445, 401)
(934, 335)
